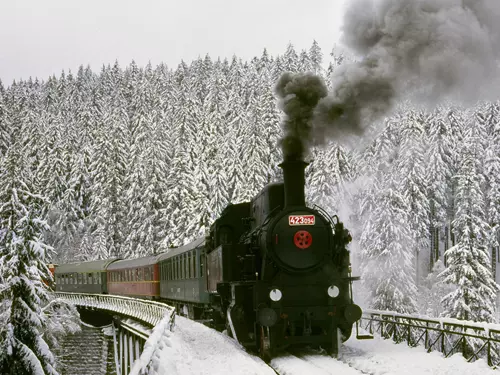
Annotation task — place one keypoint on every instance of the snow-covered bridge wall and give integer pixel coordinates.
(147, 312)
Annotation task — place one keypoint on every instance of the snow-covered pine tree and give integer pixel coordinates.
(469, 261)
(305, 64)
(330, 170)
(388, 262)
(438, 174)
(5, 127)
(268, 117)
(23, 259)
(290, 60)
(492, 176)
(316, 58)
(254, 149)
(216, 159)
(410, 167)
(432, 290)
(182, 193)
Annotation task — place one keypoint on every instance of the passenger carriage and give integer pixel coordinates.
(83, 277)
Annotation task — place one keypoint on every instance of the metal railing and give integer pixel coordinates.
(148, 312)
(446, 335)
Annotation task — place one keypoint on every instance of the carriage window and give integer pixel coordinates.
(90, 278)
(184, 265)
(194, 265)
(181, 266)
(151, 273)
(99, 278)
(146, 274)
(202, 263)
(79, 278)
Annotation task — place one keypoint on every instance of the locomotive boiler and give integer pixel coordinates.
(278, 272)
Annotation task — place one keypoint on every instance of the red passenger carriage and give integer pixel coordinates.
(136, 277)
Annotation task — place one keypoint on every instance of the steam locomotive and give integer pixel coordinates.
(272, 272)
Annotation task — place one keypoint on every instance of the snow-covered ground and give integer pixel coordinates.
(384, 357)
(195, 349)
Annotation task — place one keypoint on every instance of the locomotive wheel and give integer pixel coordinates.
(264, 350)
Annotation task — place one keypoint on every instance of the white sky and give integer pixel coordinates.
(42, 37)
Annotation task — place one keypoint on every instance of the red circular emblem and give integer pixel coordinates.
(302, 239)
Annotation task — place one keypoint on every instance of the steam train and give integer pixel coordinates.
(272, 272)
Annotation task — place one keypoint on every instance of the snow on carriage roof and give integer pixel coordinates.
(90, 266)
(133, 263)
(181, 249)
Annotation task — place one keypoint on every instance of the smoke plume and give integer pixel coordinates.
(437, 49)
(299, 94)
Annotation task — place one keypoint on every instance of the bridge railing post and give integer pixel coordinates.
(473, 340)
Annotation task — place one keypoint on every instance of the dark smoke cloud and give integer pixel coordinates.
(438, 49)
(299, 94)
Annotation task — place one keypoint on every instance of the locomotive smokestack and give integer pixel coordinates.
(294, 181)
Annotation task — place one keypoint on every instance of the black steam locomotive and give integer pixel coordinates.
(272, 272)
(279, 272)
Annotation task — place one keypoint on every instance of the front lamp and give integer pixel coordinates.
(275, 295)
(333, 291)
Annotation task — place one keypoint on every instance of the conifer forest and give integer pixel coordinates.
(129, 161)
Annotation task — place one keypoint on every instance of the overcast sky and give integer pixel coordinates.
(43, 37)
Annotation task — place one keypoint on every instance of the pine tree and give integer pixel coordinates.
(388, 262)
(432, 291)
(410, 166)
(23, 258)
(316, 58)
(438, 174)
(290, 60)
(492, 177)
(468, 261)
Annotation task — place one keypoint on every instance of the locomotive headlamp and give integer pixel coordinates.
(333, 291)
(275, 295)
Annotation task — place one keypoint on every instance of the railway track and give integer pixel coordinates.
(311, 363)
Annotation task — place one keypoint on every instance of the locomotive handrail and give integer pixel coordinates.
(148, 312)
(446, 335)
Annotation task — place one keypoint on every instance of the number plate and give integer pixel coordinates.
(301, 220)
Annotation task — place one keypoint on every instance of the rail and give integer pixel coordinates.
(448, 336)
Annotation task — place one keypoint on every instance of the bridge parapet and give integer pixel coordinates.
(448, 336)
(148, 312)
